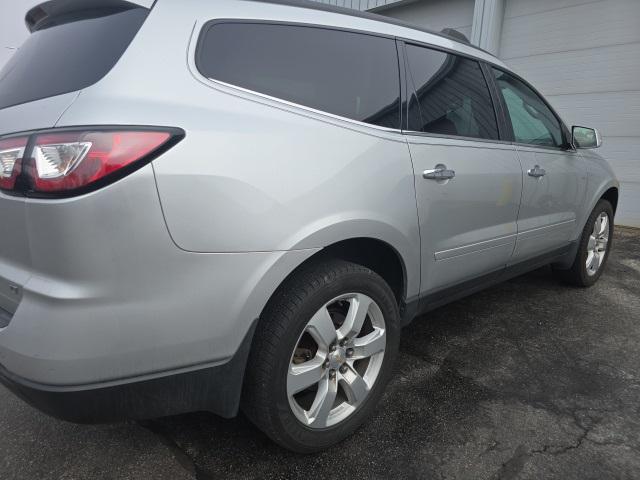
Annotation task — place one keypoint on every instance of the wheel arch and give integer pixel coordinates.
(359, 238)
(611, 195)
(391, 252)
(608, 190)
(373, 253)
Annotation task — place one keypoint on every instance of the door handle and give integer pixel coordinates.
(439, 173)
(536, 172)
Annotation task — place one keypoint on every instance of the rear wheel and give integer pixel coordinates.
(593, 249)
(322, 354)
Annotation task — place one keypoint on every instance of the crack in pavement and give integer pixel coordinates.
(560, 449)
(512, 467)
(185, 460)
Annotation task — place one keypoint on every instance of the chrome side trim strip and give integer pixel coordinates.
(508, 240)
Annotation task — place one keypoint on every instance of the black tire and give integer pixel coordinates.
(577, 274)
(265, 400)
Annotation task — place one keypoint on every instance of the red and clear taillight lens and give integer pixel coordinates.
(11, 154)
(68, 161)
(71, 162)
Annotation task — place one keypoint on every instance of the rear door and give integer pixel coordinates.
(554, 175)
(468, 182)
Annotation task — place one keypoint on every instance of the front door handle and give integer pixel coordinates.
(536, 172)
(439, 173)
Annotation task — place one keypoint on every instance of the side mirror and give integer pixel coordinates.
(584, 137)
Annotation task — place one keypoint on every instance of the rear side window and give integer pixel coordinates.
(68, 53)
(532, 120)
(348, 74)
(451, 95)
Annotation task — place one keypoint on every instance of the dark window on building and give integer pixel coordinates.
(532, 120)
(68, 53)
(348, 74)
(451, 95)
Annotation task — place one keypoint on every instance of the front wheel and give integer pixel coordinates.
(322, 354)
(593, 248)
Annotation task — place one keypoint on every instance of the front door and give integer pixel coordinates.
(554, 175)
(468, 183)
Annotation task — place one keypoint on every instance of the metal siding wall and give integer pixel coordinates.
(583, 55)
(359, 4)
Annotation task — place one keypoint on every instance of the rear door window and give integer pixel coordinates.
(451, 95)
(68, 53)
(348, 74)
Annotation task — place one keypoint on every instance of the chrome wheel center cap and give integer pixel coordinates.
(337, 357)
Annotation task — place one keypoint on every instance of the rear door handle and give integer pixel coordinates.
(439, 173)
(536, 172)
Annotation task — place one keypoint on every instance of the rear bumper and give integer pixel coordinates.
(215, 389)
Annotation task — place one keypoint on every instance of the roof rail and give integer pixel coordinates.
(448, 33)
(453, 33)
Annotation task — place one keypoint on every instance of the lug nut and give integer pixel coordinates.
(343, 342)
(332, 374)
(325, 364)
(343, 368)
(333, 348)
(349, 352)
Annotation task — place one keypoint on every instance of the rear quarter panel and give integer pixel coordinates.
(253, 174)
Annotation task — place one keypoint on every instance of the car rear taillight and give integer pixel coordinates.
(11, 153)
(68, 162)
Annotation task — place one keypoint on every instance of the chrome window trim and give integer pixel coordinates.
(300, 106)
(547, 149)
(457, 137)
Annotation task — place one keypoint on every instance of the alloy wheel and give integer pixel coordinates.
(597, 245)
(336, 360)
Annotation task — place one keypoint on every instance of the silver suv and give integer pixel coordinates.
(238, 204)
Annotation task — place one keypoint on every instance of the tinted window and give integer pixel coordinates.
(533, 122)
(452, 96)
(70, 54)
(347, 74)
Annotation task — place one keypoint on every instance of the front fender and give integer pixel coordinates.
(600, 179)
